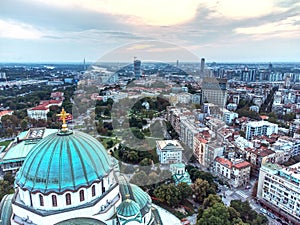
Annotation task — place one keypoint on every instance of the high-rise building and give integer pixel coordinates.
(287, 81)
(248, 75)
(137, 68)
(84, 65)
(202, 67)
(214, 91)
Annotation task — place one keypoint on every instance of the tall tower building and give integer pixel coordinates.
(137, 68)
(84, 66)
(202, 67)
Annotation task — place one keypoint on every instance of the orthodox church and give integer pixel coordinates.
(68, 178)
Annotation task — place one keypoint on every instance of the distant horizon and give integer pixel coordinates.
(173, 62)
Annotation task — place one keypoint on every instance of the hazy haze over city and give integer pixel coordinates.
(221, 31)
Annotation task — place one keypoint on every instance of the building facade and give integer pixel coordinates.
(169, 151)
(278, 189)
(259, 128)
(236, 171)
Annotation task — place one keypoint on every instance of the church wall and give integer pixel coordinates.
(61, 198)
(85, 212)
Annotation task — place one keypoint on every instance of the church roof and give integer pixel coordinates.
(5, 209)
(17, 151)
(136, 194)
(128, 208)
(64, 161)
(81, 221)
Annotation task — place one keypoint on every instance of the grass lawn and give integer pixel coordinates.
(5, 143)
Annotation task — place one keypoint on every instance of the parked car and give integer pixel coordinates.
(263, 210)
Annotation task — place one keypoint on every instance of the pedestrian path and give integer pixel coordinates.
(242, 194)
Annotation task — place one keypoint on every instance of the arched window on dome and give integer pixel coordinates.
(54, 200)
(93, 190)
(68, 199)
(81, 195)
(41, 200)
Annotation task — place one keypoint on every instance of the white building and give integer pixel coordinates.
(188, 130)
(39, 112)
(229, 117)
(169, 151)
(242, 143)
(184, 98)
(279, 189)
(259, 128)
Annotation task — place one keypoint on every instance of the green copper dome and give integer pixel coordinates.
(64, 161)
(128, 208)
(136, 194)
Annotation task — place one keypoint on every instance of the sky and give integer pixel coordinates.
(217, 30)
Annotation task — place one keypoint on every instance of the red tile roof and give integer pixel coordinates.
(224, 162)
(5, 112)
(40, 107)
(242, 165)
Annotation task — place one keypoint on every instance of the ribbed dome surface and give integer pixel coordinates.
(63, 162)
(128, 208)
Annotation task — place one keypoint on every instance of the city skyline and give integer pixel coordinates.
(220, 31)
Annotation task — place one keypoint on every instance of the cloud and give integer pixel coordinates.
(240, 9)
(286, 28)
(16, 30)
(154, 12)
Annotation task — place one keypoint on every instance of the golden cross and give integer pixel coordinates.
(63, 115)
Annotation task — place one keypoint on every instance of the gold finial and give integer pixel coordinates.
(63, 115)
(127, 197)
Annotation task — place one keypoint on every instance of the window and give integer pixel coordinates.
(93, 190)
(81, 195)
(41, 200)
(54, 200)
(68, 199)
(103, 188)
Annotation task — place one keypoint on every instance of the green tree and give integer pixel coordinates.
(200, 190)
(6, 185)
(233, 214)
(146, 162)
(215, 215)
(132, 157)
(211, 200)
(169, 194)
(247, 214)
(185, 190)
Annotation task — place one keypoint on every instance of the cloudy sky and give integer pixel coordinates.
(219, 30)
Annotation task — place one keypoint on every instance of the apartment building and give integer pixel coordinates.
(279, 189)
(236, 171)
(259, 128)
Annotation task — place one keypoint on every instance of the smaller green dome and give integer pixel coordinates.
(128, 208)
